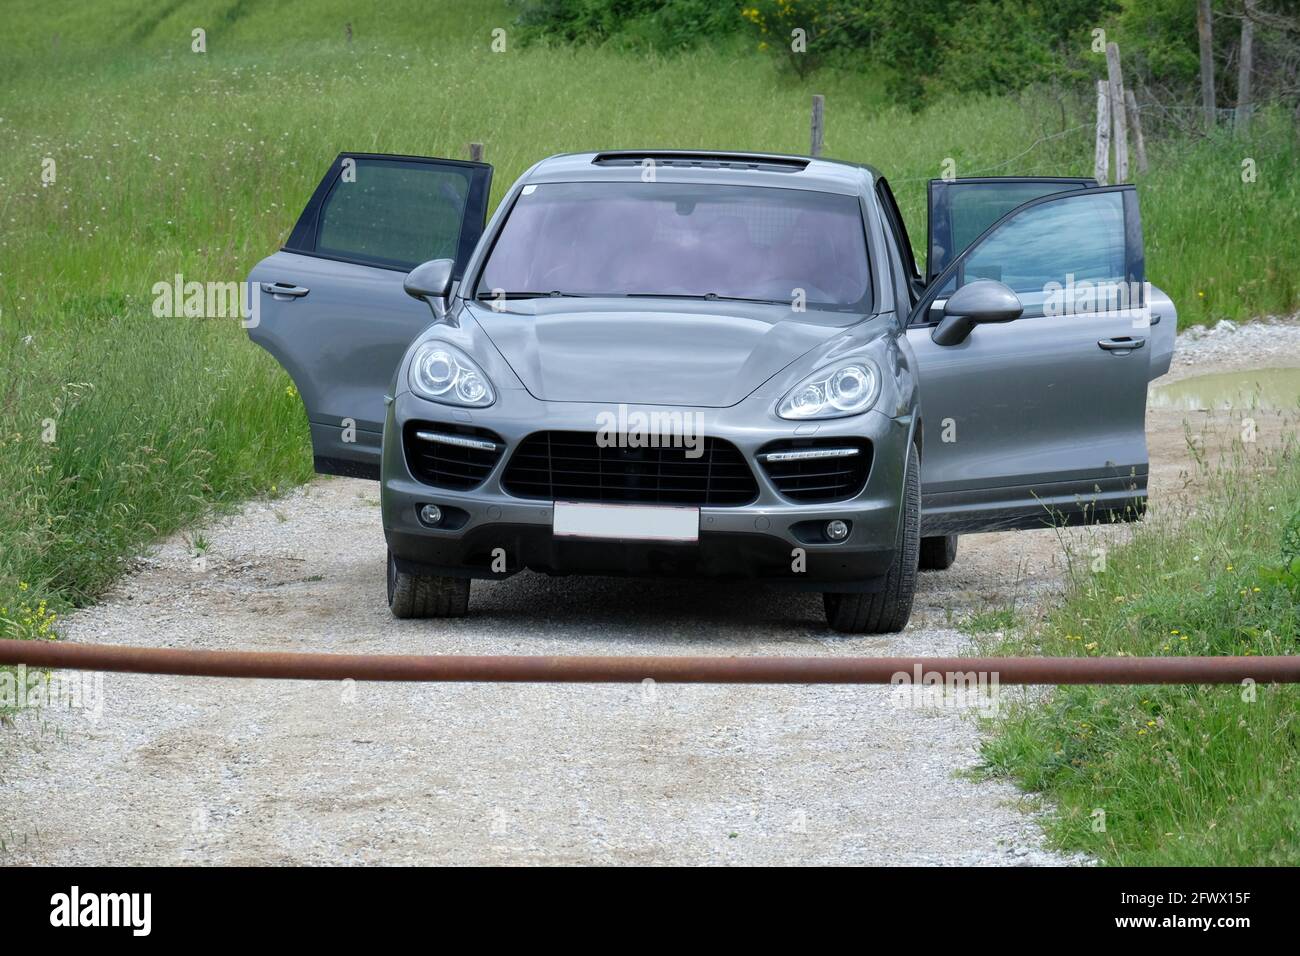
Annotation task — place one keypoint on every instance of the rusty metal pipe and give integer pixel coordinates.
(667, 670)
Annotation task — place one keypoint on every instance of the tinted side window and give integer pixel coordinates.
(960, 212)
(1074, 247)
(394, 213)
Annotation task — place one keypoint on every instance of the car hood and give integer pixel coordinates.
(684, 352)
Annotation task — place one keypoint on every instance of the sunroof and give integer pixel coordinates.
(701, 160)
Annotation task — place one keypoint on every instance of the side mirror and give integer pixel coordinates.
(984, 300)
(430, 281)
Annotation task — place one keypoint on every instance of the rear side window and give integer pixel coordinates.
(394, 212)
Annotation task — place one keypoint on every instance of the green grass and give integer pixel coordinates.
(1186, 775)
(172, 162)
(991, 621)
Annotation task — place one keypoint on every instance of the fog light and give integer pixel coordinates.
(431, 514)
(837, 530)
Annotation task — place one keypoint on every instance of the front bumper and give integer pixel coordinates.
(498, 534)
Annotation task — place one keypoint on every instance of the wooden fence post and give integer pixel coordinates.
(1244, 68)
(1205, 31)
(476, 152)
(818, 124)
(1118, 113)
(1101, 164)
(1135, 120)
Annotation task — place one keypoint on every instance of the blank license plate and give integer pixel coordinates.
(627, 522)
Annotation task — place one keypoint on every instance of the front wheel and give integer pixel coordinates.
(938, 554)
(888, 609)
(425, 595)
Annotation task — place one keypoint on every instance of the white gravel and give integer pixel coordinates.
(200, 770)
(224, 771)
(1269, 342)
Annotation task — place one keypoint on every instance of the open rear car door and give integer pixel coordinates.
(330, 303)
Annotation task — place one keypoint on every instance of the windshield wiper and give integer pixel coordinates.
(707, 297)
(553, 294)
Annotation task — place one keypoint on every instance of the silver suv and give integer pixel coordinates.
(721, 364)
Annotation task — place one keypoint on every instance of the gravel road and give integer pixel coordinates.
(178, 771)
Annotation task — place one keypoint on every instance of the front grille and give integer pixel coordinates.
(573, 466)
(818, 479)
(437, 459)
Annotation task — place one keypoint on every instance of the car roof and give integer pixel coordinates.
(706, 166)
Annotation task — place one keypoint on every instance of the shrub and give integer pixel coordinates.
(802, 33)
(637, 24)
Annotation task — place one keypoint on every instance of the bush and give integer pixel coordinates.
(802, 33)
(928, 47)
(637, 24)
(932, 47)
(1158, 38)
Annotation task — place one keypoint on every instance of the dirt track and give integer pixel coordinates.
(190, 770)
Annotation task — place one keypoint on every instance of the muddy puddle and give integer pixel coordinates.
(1267, 388)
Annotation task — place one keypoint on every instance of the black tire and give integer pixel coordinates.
(938, 554)
(425, 595)
(887, 610)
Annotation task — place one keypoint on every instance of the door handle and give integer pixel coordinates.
(284, 288)
(1122, 344)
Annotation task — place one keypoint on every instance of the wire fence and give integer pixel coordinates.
(1007, 162)
(1151, 109)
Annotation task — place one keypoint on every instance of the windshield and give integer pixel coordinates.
(675, 239)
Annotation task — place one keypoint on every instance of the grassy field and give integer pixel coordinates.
(1184, 775)
(169, 161)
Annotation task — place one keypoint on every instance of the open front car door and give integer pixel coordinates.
(1034, 352)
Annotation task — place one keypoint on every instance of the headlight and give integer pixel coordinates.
(446, 374)
(833, 392)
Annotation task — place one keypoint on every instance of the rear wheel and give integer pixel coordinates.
(425, 595)
(938, 554)
(888, 609)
